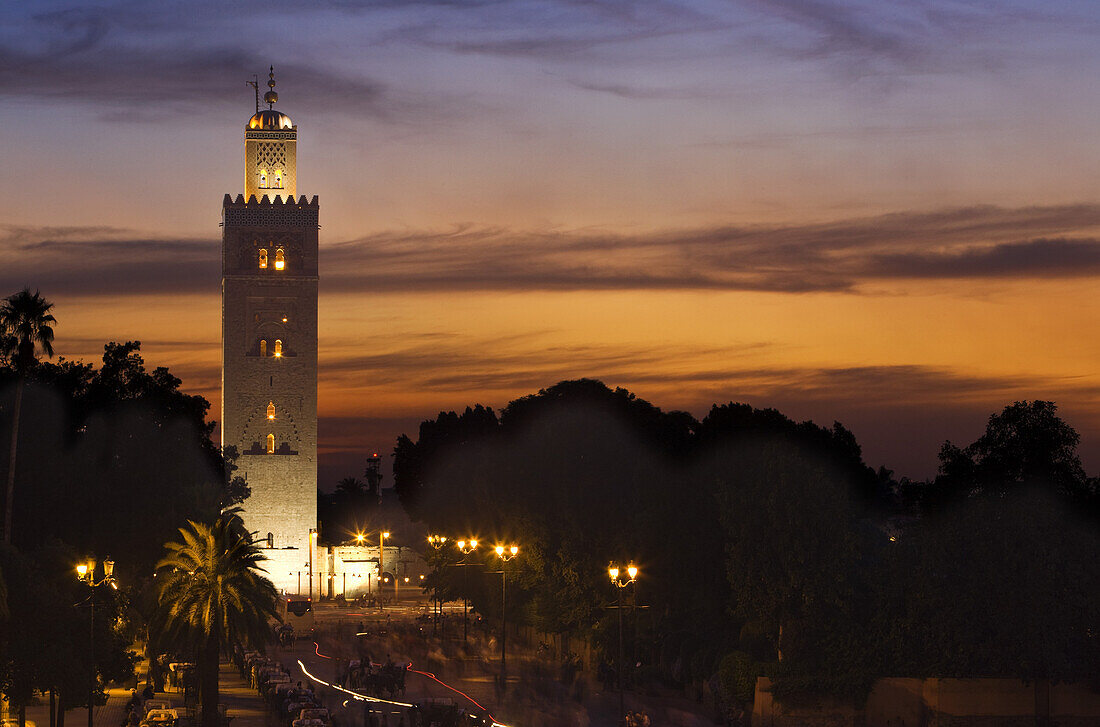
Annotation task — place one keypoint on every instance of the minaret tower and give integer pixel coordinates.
(269, 342)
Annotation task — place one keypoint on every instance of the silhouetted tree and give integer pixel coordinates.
(25, 325)
(351, 487)
(1001, 585)
(49, 649)
(437, 437)
(236, 487)
(578, 474)
(762, 539)
(1026, 445)
(118, 457)
(747, 427)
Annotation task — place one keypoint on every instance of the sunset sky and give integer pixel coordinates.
(884, 213)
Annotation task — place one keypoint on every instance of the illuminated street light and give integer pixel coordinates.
(505, 554)
(381, 566)
(467, 547)
(85, 573)
(616, 579)
(312, 547)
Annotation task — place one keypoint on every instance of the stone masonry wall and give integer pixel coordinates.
(270, 304)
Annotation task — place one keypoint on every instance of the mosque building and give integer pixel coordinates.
(269, 339)
(269, 366)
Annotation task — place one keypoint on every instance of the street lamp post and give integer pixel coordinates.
(621, 583)
(467, 547)
(85, 573)
(437, 542)
(312, 543)
(505, 555)
(382, 535)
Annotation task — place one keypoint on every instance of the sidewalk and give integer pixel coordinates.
(110, 714)
(243, 705)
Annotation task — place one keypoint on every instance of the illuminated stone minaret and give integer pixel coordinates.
(269, 342)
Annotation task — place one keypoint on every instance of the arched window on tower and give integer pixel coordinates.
(271, 540)
(263, 179)
(271, 410)
(263, 258)
(263, 346)
(280, 259)
(278, 347)
(278, 179)
(271, 444)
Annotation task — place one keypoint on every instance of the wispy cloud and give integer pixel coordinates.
(842, 256)
(886, 41)
(840, 29)
(979, 242)
(150, 68)
(563, 31)
(106, 261)
(645, 93)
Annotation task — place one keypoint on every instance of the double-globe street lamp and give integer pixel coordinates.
(465, 547)
(85, 573)
(437, 542)
(505, 554)
(621, 579)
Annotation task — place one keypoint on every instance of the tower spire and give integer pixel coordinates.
(271, 97)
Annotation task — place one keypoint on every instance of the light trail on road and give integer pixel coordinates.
(439, 681)
(356, 695)
(367, 698)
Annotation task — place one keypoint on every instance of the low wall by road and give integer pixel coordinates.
(940, 703)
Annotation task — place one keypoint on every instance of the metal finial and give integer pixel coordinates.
(271, 97)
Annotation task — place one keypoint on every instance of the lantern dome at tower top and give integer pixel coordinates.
(270, 119)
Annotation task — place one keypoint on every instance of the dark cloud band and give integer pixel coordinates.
(972, 243)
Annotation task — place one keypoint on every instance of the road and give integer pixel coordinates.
(535, 697)
(340, 639)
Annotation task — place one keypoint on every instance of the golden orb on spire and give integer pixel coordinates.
(269, 118)
(271, 98)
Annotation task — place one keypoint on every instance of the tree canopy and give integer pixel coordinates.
(1026, 445)
(116, 457)
(769, 540)
(110, 461)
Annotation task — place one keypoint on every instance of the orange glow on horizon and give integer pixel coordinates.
(676, 349)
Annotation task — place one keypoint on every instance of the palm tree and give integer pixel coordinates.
(213, 597)
(351, 486)
(25, 324)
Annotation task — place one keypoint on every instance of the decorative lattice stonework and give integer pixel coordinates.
(269, 217)
(271, 156)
